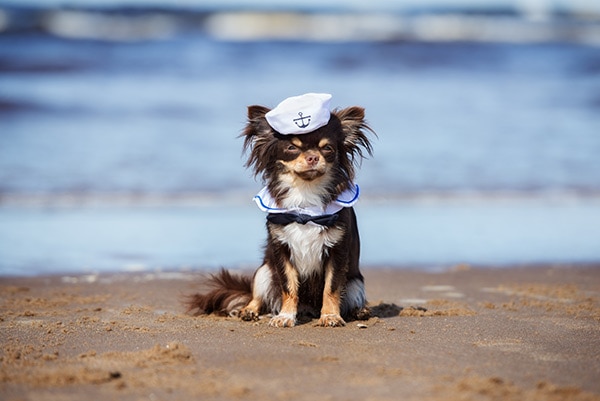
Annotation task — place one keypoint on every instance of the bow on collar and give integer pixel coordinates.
(284, 219)
(322, 215)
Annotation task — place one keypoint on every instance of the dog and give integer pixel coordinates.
(306, 156)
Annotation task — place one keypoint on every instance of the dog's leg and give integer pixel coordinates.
(354, 300)
(261, 285)
(289, 299)
(330, 311)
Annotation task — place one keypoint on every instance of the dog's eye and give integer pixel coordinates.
(327, 148)
(291, 148)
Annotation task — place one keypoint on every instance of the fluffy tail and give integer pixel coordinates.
(228, 294)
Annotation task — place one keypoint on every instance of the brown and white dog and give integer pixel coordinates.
(306, 155)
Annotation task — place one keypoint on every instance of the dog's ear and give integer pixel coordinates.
(257, 112)
(355, 131)
(257, 135)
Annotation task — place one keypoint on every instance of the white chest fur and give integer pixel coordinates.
(308, 243)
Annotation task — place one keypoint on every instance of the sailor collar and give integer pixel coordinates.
(312, 214)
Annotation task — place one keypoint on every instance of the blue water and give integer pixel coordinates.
(124, 155)
(422, 234)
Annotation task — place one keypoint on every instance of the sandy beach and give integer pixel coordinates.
(520, 333)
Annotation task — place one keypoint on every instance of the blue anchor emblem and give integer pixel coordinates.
(300, 123)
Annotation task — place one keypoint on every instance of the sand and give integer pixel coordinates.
(520, 333)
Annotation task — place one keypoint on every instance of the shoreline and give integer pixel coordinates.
(416, 233)
(508, 333)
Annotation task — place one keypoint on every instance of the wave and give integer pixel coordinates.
(244, 197)
(427, 24)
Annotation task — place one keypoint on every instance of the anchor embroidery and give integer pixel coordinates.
(300, 123)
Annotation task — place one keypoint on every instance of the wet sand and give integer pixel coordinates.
(530, 333)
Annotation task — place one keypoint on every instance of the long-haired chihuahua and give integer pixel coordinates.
(306, 155)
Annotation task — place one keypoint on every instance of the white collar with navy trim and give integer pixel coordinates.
(348, 198)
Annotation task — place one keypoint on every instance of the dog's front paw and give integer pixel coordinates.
(283, 320)
(331, 321)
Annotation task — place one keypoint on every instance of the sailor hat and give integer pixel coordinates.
(300, 114)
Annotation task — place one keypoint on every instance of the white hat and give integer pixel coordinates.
(300, 114)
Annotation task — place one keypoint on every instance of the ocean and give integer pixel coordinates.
(120, 154)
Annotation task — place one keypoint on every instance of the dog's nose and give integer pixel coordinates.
(311, 159)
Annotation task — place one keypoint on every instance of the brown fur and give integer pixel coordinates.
(300, 170)
(226, 290)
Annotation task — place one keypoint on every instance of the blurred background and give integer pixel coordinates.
(119, 122)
